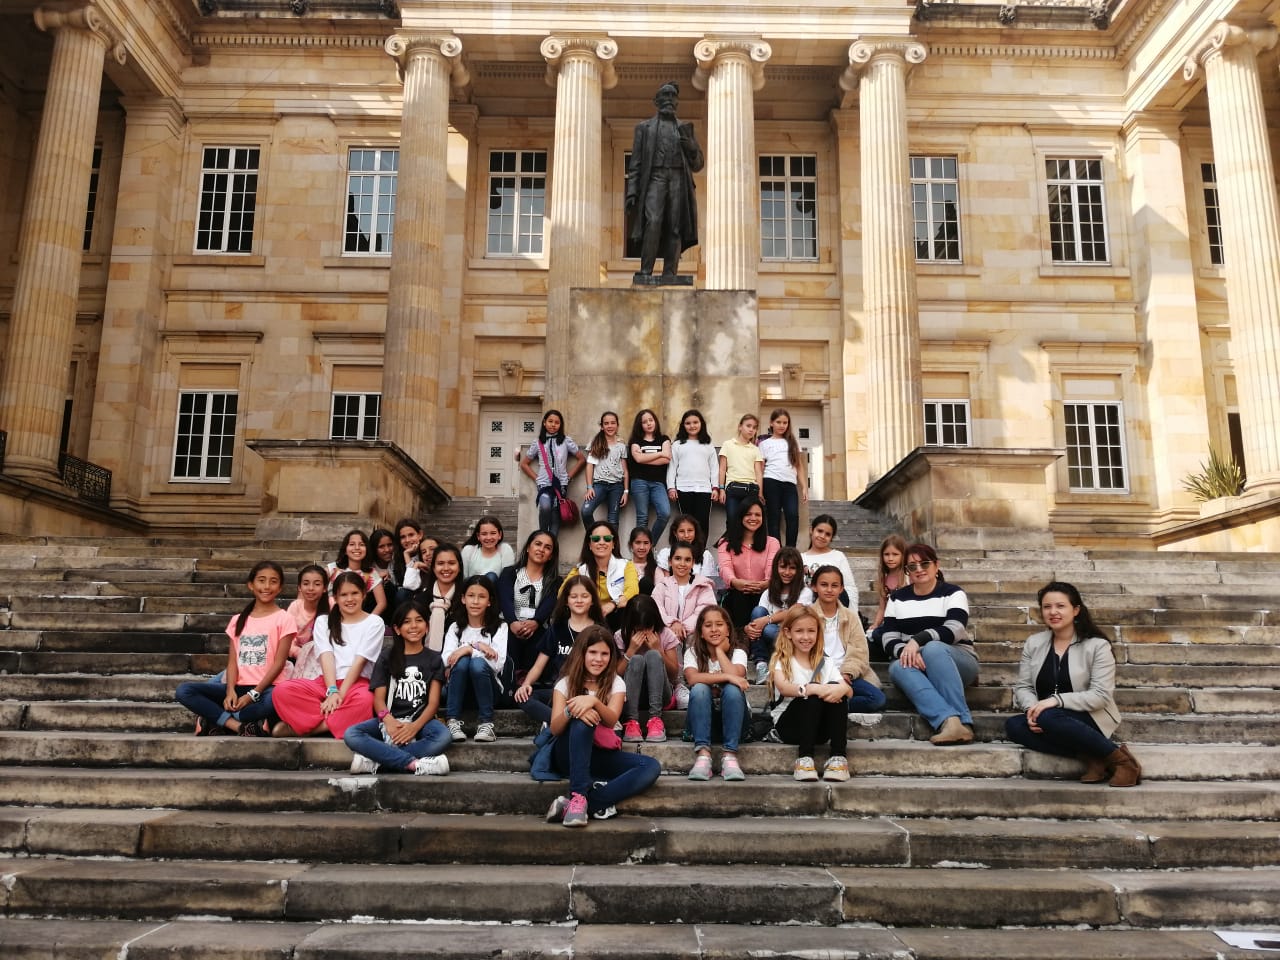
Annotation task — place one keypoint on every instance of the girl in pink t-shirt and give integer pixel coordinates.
(260, 638)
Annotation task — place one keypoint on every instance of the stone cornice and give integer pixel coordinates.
(401, 47)
(866, 50)
(209, 39)
(1010, 51)
(1137, 27)
(711, 49)
(1227, 34)
(560, 47)
(89, 18)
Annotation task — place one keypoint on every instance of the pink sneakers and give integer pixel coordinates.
(655, 731)
(631, 732)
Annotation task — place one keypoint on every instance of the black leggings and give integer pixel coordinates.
(810, 720)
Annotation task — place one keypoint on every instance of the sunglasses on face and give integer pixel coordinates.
(604, 539)
(922, 565)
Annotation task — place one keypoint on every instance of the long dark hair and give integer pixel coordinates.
(395, 657)
(699, 541)
(375, 538)
(457, 555)
(641, 613)
(776, 588)
(343, 563)
(651, 563)
(561, 612)
(398, 566)
(574, 671)
(550, 568)
(474, 539)
(335, 613)
(734, 531)
(586, 556)
(1085, 625)
(545, 437)
(682, 434)
(699, 645)
(322, 604)
(600, 443)
(253, 575)
(793, 448)
(637, 431)
(492, 615)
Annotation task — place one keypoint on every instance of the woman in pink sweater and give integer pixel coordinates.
(746, 554)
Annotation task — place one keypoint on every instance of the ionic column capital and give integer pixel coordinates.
(867, 50)
(87, 17)
(1224, 35)
(712, 51)
(405, 47)
(558, 49)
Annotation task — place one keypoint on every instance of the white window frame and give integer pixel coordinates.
(1212, 214)
(377, 186)
(930, 189)
(934, 419)
(795, 184)
(1086, 477)
(524, 228)
(219, 203)
(206, 436)
(369, 422)
(1079, 193)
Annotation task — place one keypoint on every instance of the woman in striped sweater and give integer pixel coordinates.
(931, 656)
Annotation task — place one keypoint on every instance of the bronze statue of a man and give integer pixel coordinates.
(660, 201)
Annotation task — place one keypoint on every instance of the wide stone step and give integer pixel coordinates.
(91, 641)
(200, 664)
(212, 940)
(106, 622)
(637, 893)
(672, 796)
(510, 839)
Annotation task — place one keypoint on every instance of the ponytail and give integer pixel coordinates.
(335, 614)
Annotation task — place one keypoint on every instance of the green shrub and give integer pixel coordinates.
(1220, 477)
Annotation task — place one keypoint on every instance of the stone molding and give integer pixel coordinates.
(557, 49)
(402, 47)
(1227, 34)
(90, 18)
(865, 50)
(163, 111)
(208, 39)
(709, 51)
(1009, 51)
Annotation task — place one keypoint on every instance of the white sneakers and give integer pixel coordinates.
(362, 764)
(431, 766)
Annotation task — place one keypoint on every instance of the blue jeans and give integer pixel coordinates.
(366, 739)
(646, 494)
(204, 698)
(1066, 733)
(762, 648)
(867, 697)
(937, 691)
(538, 705)
(733, 707)
(782, 502)
(471, 674)
(548, 511)
(610, 493)
(624, 774)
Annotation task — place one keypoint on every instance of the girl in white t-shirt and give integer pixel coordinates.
(586, 702)
(607, 474)
(715, 669)
(785, 483)
(349, 642)
(811, 705)
(475, 655)
(355, 556)
(786, 589)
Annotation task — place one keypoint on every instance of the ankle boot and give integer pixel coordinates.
(1128, 772)
(1096, 769)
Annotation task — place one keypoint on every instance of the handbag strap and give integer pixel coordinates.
(546, 465)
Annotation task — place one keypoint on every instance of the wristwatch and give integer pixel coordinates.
(254, 695)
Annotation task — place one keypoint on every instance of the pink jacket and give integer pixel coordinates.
(666, 594)
(747, 565)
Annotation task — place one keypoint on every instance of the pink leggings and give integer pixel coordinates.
(297, 703)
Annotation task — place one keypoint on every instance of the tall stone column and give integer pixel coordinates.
(1251, 233)
(46, 290)
(581, 69)
(429, 65)
(730, 70)
(878, 67)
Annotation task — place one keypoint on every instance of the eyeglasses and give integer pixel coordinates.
(922, 565)
(604, 539)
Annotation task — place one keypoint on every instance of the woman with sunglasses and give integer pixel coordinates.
(931, 656)
(616, 579)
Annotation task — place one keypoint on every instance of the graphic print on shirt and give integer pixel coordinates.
(253, 650)
(412, 687)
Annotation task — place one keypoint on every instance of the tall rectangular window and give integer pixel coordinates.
(356, 416)
(1077, 221)
(1212, 213)
(371, 200)
(517, 203)
(91, 205)
(946, 423)
(935, 208)
(205, 435)
(789, 207)
(1095, 446)
(228, 199)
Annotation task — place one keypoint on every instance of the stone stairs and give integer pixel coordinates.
(126, 837)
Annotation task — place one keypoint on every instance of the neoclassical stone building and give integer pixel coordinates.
(1014, 268)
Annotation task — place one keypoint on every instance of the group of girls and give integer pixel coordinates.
(652, 471)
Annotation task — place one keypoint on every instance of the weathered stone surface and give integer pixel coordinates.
(1213, 844)
(116, 716)
(440, 941)
(1025, 843)
(68, 939)
(328, 837)
(244, 940)
(729, 942)
(434, 838)
(88, 832)
(1061, 945)
(780, 841)
(1220, 897)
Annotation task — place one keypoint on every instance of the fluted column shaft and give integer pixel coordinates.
(47, 287)
(895, 424)
(1251, 234)
(730, 71)
(581, 69)
(411, 365)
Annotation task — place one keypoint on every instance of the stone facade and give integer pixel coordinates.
(1085, 292)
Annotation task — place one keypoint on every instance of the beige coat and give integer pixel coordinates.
(1092, 669)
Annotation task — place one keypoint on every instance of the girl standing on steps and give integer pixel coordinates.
(260, 638)
(404, 733)
(1066, 689)
(649, 450)
(785, 483)
(577, 608)
(811, 694)
(355, 557)
(349, 642)
(607, 476)
(546, 463)
(715, 669)
(587, 700)
(692, 475)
